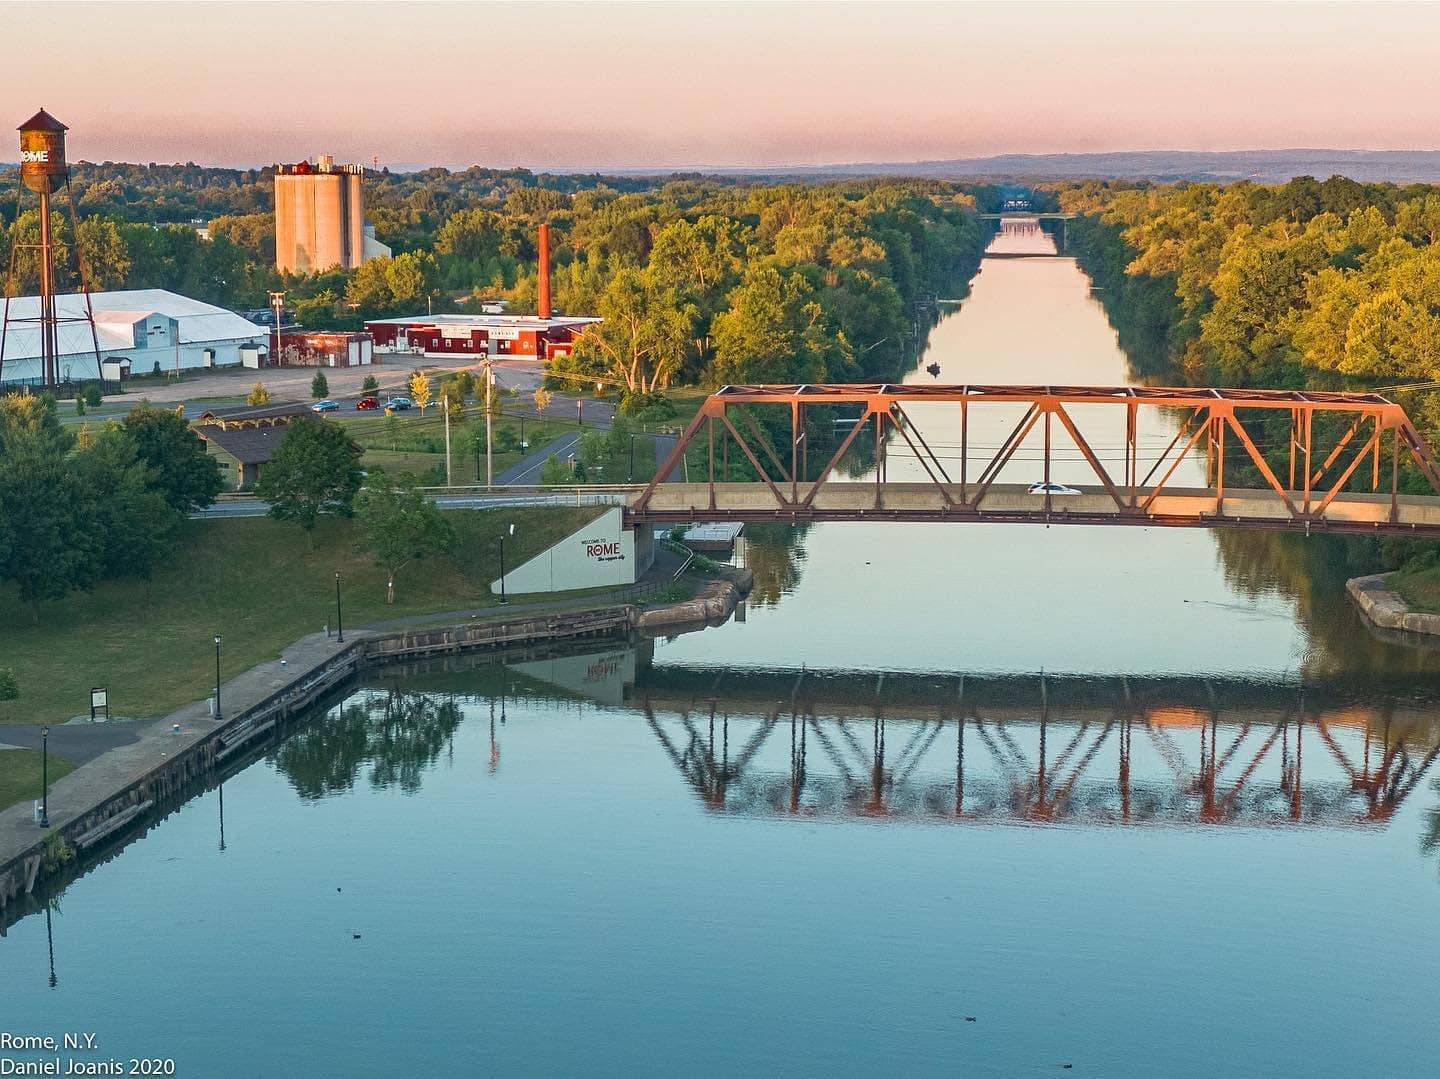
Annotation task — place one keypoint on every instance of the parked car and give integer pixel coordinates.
(399, 404)
(367, 402)
(1053, 489)
(325, 406)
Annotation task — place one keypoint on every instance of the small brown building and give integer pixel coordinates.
(244, 437)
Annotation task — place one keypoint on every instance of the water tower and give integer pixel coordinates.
(44, 170)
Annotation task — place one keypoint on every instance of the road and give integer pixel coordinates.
(254, 507)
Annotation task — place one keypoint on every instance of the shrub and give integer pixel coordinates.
(92, 395)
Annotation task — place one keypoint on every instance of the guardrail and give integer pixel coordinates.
(538, 489)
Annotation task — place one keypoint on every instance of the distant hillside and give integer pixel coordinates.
(1264, 166)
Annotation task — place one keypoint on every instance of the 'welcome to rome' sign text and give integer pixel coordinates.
(602, 553)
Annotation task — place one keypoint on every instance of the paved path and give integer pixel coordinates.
(527, 471)
(116, 768)
(112, 756)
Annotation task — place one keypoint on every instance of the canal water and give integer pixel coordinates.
(990, 800)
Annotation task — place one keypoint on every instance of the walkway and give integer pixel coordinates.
(113, 756)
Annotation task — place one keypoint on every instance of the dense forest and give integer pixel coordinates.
(698, 280)
(1309, 285)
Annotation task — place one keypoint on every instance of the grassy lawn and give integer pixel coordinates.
(1419, 588)
(261, 584)
(416, 444)
(20, 775)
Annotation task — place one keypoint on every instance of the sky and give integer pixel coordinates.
(695, 85)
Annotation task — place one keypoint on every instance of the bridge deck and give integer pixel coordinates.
(1174, 507)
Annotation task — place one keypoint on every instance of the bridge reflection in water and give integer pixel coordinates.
(1134, 762)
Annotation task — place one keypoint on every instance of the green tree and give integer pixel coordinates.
(49, 544)
(369, 385)
(398, 525)
(648, 409)
(554, 473)
(9, 685)
(318, 312)
(642, 339)
(319, 386)
(186, 476)
(316, 469)
(772, 332)
(135, 526)
(369, 288)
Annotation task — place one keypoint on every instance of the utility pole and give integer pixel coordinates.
(489, 408)
(445, 407)
(277, 301)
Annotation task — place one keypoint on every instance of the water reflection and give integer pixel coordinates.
(396, 732)
(1125, 766)
(930, 747)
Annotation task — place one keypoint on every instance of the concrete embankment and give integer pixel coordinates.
(105, 799)
(715, 603)
(1387, 609)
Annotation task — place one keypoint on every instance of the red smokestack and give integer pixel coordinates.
(544, 271)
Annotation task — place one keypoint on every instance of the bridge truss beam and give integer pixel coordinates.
(1327, 438)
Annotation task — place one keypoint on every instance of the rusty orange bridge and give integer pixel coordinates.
(1266, 459)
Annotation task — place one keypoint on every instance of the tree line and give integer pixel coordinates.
(699, 280)
(1326, 285)
(78, 507)
(1306, 284)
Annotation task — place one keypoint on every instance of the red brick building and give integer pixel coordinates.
(526, 337)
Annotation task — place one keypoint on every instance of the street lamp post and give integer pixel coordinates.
(44, 777)
(489, 365)
(339, 620)
(632, 458)
(277, 303)
(217, 677)
(503, 598)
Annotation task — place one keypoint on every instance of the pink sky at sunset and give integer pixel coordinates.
(697, 84)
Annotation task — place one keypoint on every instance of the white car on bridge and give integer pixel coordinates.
(1052, 489)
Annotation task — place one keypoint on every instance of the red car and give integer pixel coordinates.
(367, 402)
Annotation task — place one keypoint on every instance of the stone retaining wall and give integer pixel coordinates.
(1387, 609)
(715, 603)
(151, 796)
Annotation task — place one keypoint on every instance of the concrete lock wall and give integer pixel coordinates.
(602, 553)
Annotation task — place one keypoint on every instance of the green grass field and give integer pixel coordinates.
(20, 774)
(416, 444)
(259, 583)
(1419, 588)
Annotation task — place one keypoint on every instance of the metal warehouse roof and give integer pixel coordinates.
(251, 445)
(484, 322)
(115, 313)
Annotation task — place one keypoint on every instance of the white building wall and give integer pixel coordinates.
(600, 554)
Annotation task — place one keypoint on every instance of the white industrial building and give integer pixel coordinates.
(137, 329)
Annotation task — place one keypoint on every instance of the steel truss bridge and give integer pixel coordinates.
(1142, 759)
(1338, 462)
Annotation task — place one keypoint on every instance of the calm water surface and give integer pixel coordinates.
(1210, 852)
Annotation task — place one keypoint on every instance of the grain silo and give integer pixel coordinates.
(320, 218)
